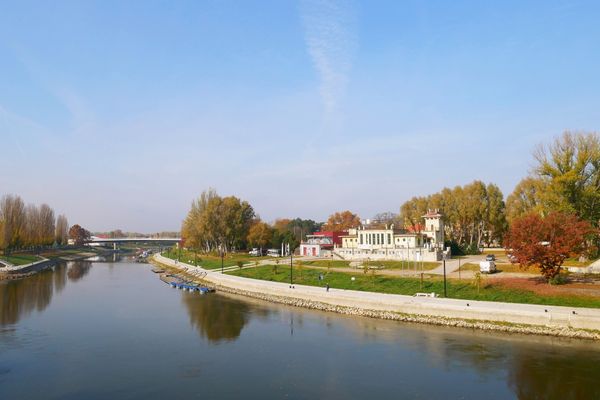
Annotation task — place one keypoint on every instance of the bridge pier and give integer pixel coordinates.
(115, 248)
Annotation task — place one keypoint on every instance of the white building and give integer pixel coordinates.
(392, 244)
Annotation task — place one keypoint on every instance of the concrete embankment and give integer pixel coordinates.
(20, 271)
(506, 317)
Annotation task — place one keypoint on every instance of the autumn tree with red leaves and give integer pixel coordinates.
(79, 235)
(547, 242)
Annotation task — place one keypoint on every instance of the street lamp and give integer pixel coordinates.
(291, 266)
(444, 260)
(222, 255)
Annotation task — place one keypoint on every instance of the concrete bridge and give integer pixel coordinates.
(98, 241)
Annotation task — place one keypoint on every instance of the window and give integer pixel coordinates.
(361, 238)
(389, 238)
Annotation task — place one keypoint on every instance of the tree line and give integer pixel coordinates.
(216, 223)
(29, 226)
(473, 214)
(565, 179)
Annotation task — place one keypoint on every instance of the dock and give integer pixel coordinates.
(178, 283)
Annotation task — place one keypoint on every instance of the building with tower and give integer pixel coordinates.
(389, 243)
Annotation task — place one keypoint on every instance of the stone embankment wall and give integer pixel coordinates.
(506, 317)
(20, 271)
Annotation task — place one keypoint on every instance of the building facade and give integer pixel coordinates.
(392, 244)
(321, 244)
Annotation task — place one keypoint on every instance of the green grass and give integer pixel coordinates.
(327, 263)
(409, 286)
(502, 267)
(426, 266)
(574, 262)
(20, 259)
(212, 261)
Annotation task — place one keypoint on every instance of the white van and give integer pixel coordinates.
(487, 267)
(273, 253)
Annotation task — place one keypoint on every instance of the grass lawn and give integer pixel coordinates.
(425, 266)
(409, 286)
(213, 261)
(574, 262)
(497, 252)
(502, 268)
(421, 266)
(327, 263)
(20, 259)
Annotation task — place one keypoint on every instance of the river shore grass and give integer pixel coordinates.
(371, 282)
(20, 259)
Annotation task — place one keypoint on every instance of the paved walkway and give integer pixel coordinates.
(542, 315)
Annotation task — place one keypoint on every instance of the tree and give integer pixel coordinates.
(47, 225)
(341, 221)
(570, 170)
(214, 222)
(473, 214)
(526, 198)
(260, 235)
(12, 222)
(62, 230)
(547, 242)
(79, 235)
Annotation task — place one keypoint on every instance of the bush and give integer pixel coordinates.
(557, 280)
(461, 250)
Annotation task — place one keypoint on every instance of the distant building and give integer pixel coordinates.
(396, 244)
(321, 244)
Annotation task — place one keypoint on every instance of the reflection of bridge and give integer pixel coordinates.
(98, 241)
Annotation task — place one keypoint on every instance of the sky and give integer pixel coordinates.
(120, 113)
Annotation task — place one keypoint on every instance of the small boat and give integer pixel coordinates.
(158, 270)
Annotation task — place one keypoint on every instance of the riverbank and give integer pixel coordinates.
(10, 272)
(505, 317)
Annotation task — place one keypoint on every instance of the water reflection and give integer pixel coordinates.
(219, 318)
(331, 355)
(21, 297)
(550, 375)
(78, 269)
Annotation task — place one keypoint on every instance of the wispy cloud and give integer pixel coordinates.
(329, 27)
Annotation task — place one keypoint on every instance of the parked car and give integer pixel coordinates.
(490, 257)
(487, 267)
(255, 252)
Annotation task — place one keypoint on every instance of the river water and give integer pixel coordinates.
(113, 330)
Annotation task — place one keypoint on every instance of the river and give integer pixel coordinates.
(113, 330)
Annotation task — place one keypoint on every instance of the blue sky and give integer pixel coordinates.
(120, 113)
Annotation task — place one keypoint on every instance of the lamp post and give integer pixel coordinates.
(222, 255)
(445, 292)
(291, 267)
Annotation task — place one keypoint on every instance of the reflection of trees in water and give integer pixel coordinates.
(545, 374)
(218, 318)
(20, 297)
(78, 269)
